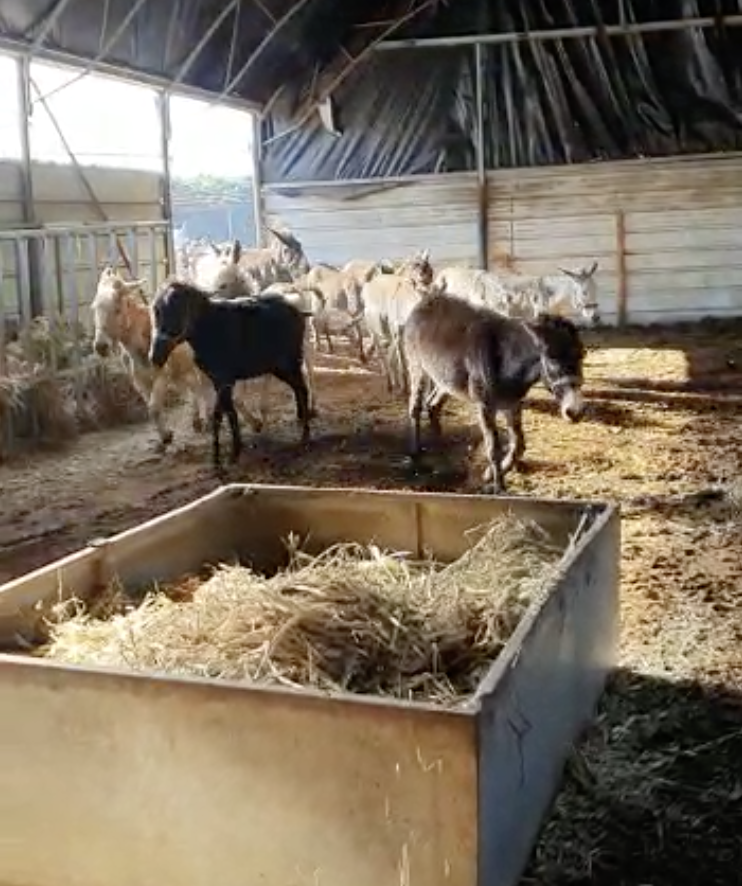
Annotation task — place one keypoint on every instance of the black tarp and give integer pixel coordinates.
(573, 100)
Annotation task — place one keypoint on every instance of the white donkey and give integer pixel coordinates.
(525, 296)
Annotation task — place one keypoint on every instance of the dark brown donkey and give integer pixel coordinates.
(454, 348)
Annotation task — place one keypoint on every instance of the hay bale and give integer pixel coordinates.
(34, 409)
(53, 342)
(106, 396)
(354, 619)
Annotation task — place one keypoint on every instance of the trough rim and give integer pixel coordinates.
(603, 513)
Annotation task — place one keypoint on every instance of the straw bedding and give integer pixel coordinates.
(353, 619)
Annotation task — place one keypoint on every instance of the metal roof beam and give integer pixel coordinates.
(24, 48)
(269, 37)
(49, 22)
(620, 30)
(198, 48)
(103, 52)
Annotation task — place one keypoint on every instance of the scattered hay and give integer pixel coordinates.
(354, 619)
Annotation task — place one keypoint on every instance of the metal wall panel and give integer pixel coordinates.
(11, 194)
(679, 252)
(338, 222)
(125, 195)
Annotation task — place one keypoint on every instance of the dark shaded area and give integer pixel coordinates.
(409, 112)
(654, 794)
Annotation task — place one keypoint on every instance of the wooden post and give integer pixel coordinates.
(622, 306)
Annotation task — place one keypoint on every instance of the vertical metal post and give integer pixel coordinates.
(481, 166)
(29, 206)
(3, 307)
(257, 180)
(167, 199)
(152, 277)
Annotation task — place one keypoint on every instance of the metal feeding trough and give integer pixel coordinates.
(113, 779)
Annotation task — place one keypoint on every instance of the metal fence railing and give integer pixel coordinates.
(52, 272)
(51, 384)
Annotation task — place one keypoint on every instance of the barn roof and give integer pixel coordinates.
(674, 86)
(250, 49)
(244, 49)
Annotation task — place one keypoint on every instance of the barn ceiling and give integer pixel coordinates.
(244, 49)
(624, 82)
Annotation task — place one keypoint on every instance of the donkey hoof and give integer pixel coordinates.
(165, 440)
(493, 489)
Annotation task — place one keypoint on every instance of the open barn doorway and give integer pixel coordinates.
(211, 172)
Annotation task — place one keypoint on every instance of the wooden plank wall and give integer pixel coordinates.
(667, 233)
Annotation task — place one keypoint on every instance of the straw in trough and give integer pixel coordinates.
(353, 619)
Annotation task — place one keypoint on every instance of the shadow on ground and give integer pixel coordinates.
(658, 777)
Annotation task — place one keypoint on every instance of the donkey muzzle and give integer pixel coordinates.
(160, 350)
(572, 404)
(102, 348)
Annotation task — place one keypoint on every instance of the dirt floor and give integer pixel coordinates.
(654, 795)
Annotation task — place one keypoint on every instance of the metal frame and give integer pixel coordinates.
(620, 30)
(24, 49)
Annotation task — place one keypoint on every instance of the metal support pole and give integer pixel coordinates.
(35, 294)
(163, 100)
(481, 165)
(257, 182)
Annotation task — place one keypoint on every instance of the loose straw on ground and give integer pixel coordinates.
(353, 619)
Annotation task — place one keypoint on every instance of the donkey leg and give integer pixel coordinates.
(415, 411)
(156, 406)
(200, 391)
(516, 439)
(227, 404)
(295, 380)
(216, 422)
(436, 402)
(309, 357)
(487, 418)
(255, 422)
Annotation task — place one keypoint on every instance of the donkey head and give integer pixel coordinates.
(112, 313)
(585, 292)
(290, 252)
(562, 354)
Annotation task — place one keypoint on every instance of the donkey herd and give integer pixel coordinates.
(240, 316)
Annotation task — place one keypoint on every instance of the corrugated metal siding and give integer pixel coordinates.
(682, 221)
(59, 195)
(125, 194)
(339, 222)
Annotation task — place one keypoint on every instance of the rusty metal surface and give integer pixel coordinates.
(120, 778)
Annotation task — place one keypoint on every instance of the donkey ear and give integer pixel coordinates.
(573, 274)
(588, 273)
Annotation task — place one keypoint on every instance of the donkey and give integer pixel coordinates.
(232, 340)
(525, 296)
(454, 348)
(121, 316)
